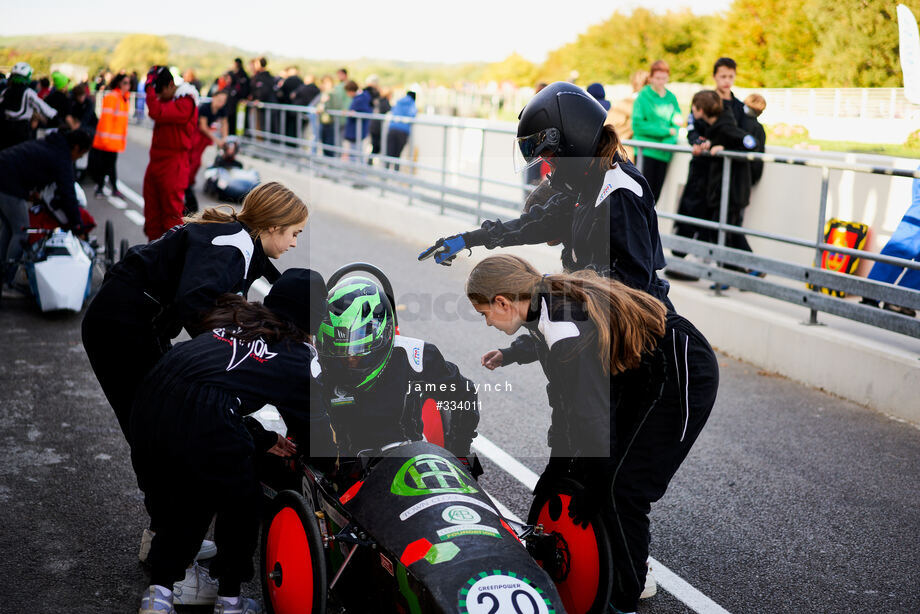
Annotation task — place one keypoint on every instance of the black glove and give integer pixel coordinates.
(595, 477)
(556, 469)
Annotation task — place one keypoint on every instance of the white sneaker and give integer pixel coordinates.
(156, 600)
(198, 588)
(208, 548)
(651, 585)
(236, 605)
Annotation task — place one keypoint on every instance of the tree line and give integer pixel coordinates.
(777, 43)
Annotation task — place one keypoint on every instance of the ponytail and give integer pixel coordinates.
(268, 205)
(221, 214)
(629, 322)
(608, 146)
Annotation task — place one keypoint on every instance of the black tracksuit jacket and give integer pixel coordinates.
(158, 289)
(32, 165)
(626, 434)
(614, 228)
(194, 454)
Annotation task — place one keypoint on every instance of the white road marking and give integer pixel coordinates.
(117, 203)
(680, 588)
(667, 579)
(134, 216)
(504, 511)
(507, 462)
(130, 194)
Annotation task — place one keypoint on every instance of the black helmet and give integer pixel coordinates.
(357, 334)
(561, 119)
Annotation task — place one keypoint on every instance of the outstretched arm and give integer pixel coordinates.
(546, 222)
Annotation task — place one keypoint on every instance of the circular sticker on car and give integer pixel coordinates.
(503, 592)
(460, 514)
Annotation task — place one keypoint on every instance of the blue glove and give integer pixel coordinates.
(444, 250)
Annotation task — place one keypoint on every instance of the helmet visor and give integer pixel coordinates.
(344, 342)
(530, 150)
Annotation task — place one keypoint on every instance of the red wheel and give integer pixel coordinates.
(582, 565)
(293, 560)
(432, 424)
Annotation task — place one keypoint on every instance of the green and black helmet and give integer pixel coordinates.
(355, 339)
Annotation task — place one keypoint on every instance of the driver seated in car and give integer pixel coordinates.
(376, 380)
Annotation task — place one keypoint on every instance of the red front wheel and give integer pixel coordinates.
(579, 560)
(293, 566)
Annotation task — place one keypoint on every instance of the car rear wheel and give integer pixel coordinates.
(293, 566)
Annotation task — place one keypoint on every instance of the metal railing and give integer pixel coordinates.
(715, 255)
(268, 130)
(443, 183)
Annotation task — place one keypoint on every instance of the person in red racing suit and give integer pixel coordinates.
(174, 110)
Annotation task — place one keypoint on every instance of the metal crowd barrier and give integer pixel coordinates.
(714, 255)
(268, 134)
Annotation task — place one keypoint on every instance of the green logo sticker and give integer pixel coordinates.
(460, 514)
(430, 474)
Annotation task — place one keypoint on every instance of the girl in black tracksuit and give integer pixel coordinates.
(167, 285)
(192, 451)
(631, 385)
(602, 208)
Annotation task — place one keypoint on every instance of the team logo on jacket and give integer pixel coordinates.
(605, 192)
(241, 350)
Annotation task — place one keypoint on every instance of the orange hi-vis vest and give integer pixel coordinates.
(112, 129)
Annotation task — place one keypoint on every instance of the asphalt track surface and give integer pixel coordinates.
(791, 501)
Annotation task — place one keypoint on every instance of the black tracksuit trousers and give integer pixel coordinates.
(693, 203)
(651, 445)
(194, 459)
(119, 341)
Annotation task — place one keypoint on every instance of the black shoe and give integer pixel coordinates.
(871, 302)
(679, 276)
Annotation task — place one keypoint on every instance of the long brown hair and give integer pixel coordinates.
(268, 205)
(607, 146)
(253, 320)
(629, 322)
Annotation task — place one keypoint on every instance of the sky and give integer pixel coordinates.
(412, 30)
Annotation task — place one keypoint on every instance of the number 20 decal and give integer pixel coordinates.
(503, 592)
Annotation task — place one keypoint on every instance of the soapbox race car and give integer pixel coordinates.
(59, 268)
(409, 529)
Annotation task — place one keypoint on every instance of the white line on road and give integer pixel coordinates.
(130, 194)
(680, 588)
(134, 216)
(117, 203)
(504, 511)
(507, 462)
